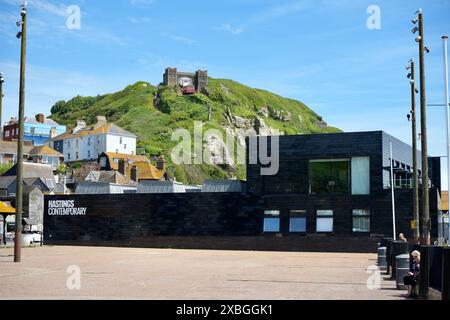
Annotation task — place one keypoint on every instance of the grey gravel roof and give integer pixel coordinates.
(102, 188)
(222, 186)
(151, 186)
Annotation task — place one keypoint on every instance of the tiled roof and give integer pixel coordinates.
(46, 121)
(111, 176)
(33, 170)
(128, 158)
(45, 151)
(109, 128)
(146, 171)
(10, 147)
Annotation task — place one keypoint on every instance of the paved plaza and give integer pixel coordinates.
(131, 273)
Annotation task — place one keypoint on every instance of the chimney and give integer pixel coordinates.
(161, 163)
(40, 118)
(134, 174)
(81, 124)
(101, 119)
(122, 166)
(53, 133)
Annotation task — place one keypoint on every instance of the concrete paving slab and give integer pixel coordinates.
(132, 273)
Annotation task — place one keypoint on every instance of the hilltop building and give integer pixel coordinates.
(87, 143)
(37, 130)
(173, 77)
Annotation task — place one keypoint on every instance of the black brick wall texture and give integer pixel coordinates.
(235, 220)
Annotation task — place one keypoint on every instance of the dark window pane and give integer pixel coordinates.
(271, 224)
(297, 225)
(329, 176)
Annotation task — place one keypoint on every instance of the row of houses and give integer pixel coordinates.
(82, 143)
(99, 153)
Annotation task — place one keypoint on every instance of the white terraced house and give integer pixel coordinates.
(87, 143)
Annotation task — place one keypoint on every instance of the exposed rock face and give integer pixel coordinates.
(261, 128)
(240, 122)
(321, 124)
(264, 112)
(238, 129)
(216, 151)
(281, 115)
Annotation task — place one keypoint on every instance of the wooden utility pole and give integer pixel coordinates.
(423, 126)
(1, 104)
(19, 190)
(414, 144)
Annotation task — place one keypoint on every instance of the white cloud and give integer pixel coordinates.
(233, 30)
(142, 2)
(282, 10)
(177, 38)
(139, 20)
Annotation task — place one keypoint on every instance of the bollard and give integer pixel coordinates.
(382, 258)
(402, 269)
(446, 274)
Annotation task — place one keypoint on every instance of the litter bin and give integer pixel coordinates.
(397, 248)
(402, 269)
(382, 258)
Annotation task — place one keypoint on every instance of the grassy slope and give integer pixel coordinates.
(132, 109)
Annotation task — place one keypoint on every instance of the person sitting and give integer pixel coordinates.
(412, 278)
(401, 237)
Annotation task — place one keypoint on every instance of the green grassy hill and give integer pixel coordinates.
(232, 105)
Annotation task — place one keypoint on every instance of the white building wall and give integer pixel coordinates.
(120, 144)
(89, 147)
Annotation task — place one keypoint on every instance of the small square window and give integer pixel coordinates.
(361, 220)
(297, 221)
(271, 221)
(324, 221)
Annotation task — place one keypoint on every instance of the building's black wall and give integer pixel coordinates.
(119, 217)
(295, 151)
(128, 217)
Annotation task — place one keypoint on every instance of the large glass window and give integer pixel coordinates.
(361, 175)
(271, 221)
(297, 221)
(329, 176)
(361, 220)
(324, 221)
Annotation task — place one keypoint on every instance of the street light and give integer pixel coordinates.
(412, 117)
(2, 80)
(19, 188)
(423, 125)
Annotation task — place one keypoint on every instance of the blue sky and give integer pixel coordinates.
(320, 52)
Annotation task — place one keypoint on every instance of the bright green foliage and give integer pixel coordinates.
(133, 110)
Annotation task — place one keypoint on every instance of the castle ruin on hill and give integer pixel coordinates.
(173, 77)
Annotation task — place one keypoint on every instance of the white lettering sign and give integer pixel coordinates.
(64, 208)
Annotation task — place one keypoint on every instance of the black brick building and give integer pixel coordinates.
(331, 192)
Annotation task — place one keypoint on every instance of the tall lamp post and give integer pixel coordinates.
(1, 103)
(19, 190)
(412, 117)
(446, 105)
(423, 128)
